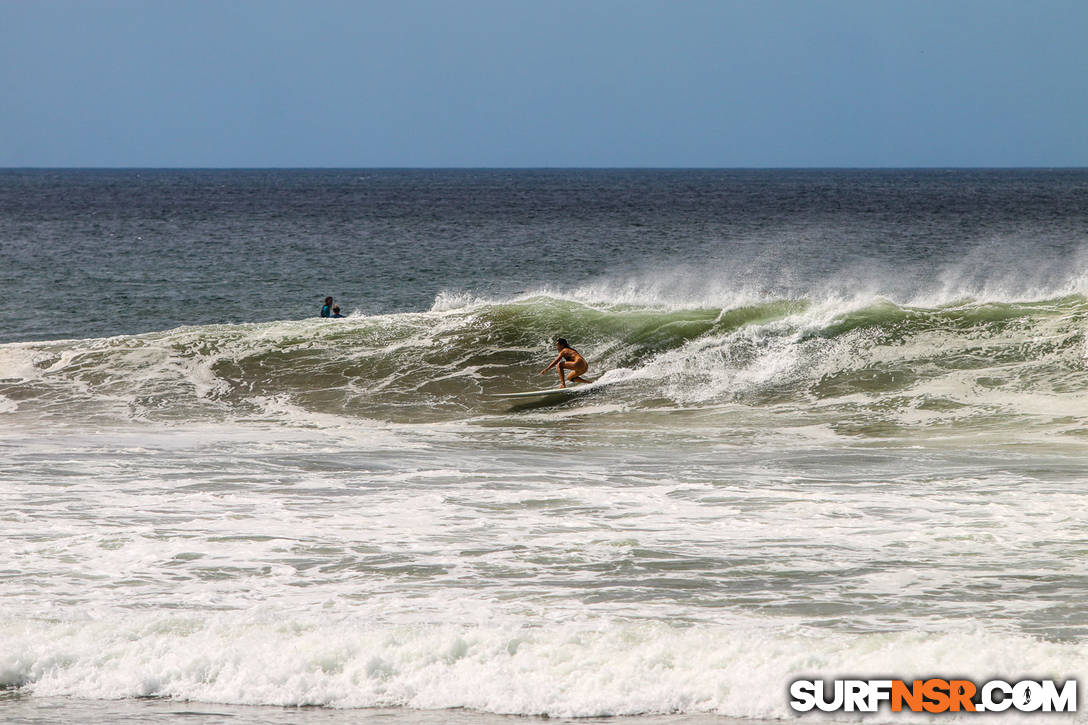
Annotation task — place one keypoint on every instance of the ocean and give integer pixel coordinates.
(844, 435)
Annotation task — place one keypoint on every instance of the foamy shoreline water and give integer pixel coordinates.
(25, 711)
(372, 578)
(596, 668)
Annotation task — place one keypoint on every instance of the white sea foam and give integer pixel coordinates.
(574, 669)
(439, 566)
(18, 361)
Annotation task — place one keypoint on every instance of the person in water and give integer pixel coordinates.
(326, 311)
(568, 359)
(336, 311)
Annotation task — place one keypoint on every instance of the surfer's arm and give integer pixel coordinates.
(556, 360)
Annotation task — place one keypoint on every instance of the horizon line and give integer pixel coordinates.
(544, 168)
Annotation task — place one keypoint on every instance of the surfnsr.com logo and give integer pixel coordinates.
(934, 695)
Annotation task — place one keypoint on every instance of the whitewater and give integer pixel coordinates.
(818, 456)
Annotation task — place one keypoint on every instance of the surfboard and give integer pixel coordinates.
(559, 392)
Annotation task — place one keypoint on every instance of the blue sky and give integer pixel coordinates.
(682, 83)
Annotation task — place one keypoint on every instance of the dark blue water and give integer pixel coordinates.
(87, 253)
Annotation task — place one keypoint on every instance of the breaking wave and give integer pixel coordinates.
(558, 670)
(961, 359)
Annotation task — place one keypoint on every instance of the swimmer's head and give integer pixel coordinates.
(561, 343)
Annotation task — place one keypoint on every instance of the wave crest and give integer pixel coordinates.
(444, 363)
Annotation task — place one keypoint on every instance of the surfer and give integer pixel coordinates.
(568, 359)
(336, 311)
(326, 311)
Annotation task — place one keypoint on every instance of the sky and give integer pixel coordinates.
(544, 83)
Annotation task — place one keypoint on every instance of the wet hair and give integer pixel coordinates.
(336, 308)
(328, 300)
(561, 342)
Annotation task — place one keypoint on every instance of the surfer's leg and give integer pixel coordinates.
(576, 372)
(564, 365)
